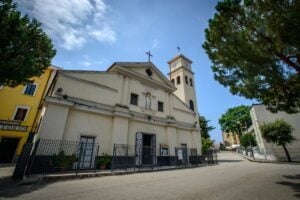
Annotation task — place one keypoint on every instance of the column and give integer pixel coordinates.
(172, 139)
(119, 131)
(197, 141)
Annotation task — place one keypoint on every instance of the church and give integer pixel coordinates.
(131, 103)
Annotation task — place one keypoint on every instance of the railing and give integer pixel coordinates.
(50, 156)
(62, 156)
(12, 125)
(211, 156)
(126, 157)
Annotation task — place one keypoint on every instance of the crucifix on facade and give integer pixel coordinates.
(149, 55)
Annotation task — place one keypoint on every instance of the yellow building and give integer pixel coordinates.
(230, 139)
(20, 110)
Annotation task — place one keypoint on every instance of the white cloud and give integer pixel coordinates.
(105, 34)
(154, 44)
(70, 23)
(86, 63)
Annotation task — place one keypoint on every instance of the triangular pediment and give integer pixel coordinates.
(145, 70)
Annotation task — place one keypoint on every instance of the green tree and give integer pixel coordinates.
(205, 127)
(222, 146)
(25, 50)
(206, 144)
(205, 137)
(254, 47)
(248, 140)
(235, 119)
(278, 132)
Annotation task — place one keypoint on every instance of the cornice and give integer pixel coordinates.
(144, 79)
(177, 69)
(88, 82)
(120, 111)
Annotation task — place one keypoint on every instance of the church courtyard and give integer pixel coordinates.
(233, 178)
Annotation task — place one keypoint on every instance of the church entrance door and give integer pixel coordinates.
(145, 149)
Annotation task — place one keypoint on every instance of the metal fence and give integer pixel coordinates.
(61, 156)
(123, 157)
(136, 157)
(249, 151)
(50, 156)
(211, 156)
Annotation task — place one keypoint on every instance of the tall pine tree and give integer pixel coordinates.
(254, 47)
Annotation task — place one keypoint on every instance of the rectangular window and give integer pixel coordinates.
(21, 114)
(186, 80)
(178, 80)
(173, 81)
(160, 106)
(183, 145)
(164, 150)
(30, 89)
(86, 150)
(134, 99)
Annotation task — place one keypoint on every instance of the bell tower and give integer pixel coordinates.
(182, 76)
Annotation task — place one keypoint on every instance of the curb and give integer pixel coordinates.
(64, 177)
(268, 161)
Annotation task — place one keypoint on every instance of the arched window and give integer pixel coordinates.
(186, 80)
(173, 81)
(191, 105)
(178, 79)
(191, 82)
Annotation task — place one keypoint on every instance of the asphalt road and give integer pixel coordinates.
(234, 178)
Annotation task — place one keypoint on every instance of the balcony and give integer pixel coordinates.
(12, 125)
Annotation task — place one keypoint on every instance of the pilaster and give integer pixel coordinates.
(197, 141)
(172, 139)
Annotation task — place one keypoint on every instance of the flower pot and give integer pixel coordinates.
(102, 167)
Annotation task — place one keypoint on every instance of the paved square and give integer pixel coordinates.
(234, 178)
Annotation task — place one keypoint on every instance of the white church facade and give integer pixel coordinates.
(132, 103)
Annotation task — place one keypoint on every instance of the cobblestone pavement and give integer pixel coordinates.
(234, 178)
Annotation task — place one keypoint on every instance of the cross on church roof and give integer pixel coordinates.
(149, 55)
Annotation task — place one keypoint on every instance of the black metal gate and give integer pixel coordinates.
(211, 156)
(181, 156)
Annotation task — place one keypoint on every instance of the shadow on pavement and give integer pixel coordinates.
(295, 184)
(10, 188)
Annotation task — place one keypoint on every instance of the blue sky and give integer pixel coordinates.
(92, 34)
